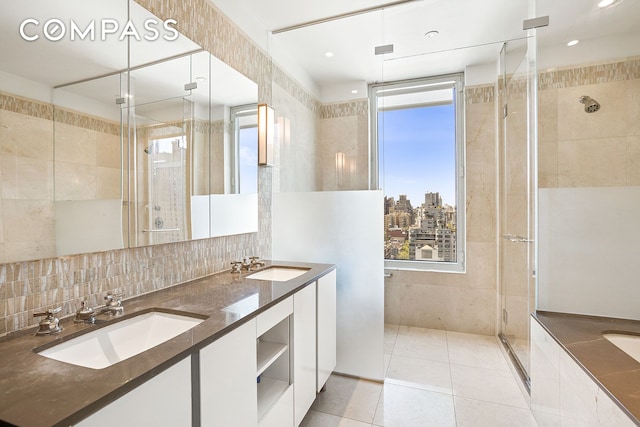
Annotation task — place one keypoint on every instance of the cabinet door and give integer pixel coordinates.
(326, 328)
(164, 400)
(228, 379)
(304, 350)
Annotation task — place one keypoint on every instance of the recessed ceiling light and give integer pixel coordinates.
(573, 42)
(608, 3)
(354, 91)
(431, 34)
(328, 54)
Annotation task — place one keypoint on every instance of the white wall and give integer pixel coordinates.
(343, 228)
(588, 262)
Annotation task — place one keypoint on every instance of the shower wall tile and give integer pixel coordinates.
(592, 162)
(633, 106)
(610, 121)
(633, 161)
(579, 149)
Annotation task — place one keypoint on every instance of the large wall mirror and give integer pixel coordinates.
(148, 139)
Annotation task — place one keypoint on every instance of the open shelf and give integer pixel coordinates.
(269, 391)
(268, 352)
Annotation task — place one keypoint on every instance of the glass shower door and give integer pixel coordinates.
(517, 190)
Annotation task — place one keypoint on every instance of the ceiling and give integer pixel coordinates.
(471, 33)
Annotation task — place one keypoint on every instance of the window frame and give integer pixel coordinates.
(454, 81)
(236, 114)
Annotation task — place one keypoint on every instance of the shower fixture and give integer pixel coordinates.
(590, 104)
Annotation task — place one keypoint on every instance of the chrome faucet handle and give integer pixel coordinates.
(85, 314)
(255, 261)
(113, 299)
(236, 266)
(50, 324)
(48, 313)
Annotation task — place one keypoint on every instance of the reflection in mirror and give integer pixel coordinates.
(89, 137)
(166, 106)
(88, 174)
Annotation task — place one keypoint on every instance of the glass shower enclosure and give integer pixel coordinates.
(517, 197)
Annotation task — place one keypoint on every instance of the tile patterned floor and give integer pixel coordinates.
(433, 378)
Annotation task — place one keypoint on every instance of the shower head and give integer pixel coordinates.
(590, 104)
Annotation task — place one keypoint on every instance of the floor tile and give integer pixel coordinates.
(320, 419)
(390, 335)
(488, 385)
(433, 378)
(419, 373)
(421, 343)
(409, 407)
(461, 337)
(472, 354)
(349, 398)
(475, 413)
(386, 361)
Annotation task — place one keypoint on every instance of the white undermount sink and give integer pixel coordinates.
(111, 344)
(278, 274)
(630, 344)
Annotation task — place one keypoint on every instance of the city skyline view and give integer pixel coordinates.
(418, 176)
(417, 148)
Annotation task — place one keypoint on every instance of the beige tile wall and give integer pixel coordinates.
(579, 149)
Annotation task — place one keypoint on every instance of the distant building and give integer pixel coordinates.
(427, 253)
(432, 199)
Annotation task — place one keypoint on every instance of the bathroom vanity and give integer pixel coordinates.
(265, 347)
(578, 376)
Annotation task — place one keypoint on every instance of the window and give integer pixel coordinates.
(417, 155)
(245, 149)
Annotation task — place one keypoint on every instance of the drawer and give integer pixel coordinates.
(274, 315)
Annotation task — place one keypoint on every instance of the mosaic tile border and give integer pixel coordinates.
(481, 94)
(293, 88)
(356, 107)
(626, 69)
(85, 121)
(29, 107)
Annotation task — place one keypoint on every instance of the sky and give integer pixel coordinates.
(418, 153)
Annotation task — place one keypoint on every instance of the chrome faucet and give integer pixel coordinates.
(85, 314)
(255, 262)
(50, 324)
(246, 264)
(113, 304)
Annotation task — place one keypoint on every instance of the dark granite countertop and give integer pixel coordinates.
(38, 391)
(617, 373)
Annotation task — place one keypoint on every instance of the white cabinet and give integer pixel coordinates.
(273, 367)
(304, 350)
(163, 400)
(263, 373)
(228, 381)
(326, 329)
(562, 393)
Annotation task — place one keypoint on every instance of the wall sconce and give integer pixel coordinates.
(265, 134)
(340, 163)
